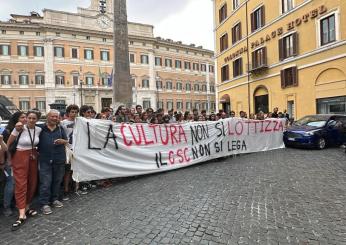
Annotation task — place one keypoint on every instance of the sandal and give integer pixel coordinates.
(16, 225)
(31, 212)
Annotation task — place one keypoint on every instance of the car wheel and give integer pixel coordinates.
(321, 143)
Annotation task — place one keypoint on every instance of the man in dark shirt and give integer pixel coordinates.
(52, 160)
(275, 113)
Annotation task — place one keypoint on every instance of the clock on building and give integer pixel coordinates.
(103, 21)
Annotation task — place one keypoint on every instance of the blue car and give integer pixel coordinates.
(317, 131)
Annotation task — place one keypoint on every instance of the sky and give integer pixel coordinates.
(189, 21)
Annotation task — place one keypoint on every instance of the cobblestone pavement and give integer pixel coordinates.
(286, 196)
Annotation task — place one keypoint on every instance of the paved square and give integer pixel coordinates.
(286, 196)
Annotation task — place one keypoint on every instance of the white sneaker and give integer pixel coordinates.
(57, 204)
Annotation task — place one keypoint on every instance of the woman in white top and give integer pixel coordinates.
(24, 164)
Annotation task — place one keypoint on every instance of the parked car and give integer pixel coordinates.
(317, 131)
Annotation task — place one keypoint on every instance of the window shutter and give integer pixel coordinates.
(295, 76)
(9, 49)
(233, 35)
(253, 57)
(234, 69)
(92, 54)
(85, 54)
(295, 44)
(252, 22)
(54, 51)
(63, 52)
(26, 50)
(241, 66)
(220, 15)
(264, 57)
(35, 51)
(263, 19)
(18, 50)
(282, 75)
(1, 49)
(239, 34)
(42, 51)
(281, 49)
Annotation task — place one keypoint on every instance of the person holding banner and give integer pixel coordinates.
(52, 162)
(22, 145)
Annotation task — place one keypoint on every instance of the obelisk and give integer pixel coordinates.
(122, 87)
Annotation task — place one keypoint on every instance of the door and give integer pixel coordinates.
(106, 102)
(262, 103)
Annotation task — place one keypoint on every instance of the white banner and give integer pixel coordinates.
(103, 149)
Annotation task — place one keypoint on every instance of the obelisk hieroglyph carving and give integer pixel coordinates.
(122, 87)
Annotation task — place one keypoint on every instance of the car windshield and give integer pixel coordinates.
(312, 121)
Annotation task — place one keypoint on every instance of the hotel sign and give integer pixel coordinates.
(279, 31)
(290, 26)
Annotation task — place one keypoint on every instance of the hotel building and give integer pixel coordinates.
(289, 54)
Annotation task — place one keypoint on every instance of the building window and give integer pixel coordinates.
(87, 37)
(203, 67)
(57, 34)
(38, 34)
(187, 65)
(146, 104)
(196, 105)
(204, 88)
(21, 33)
(41, 105)
(235, 4)
(5, 50)
(289, 77)
(104, 55)
(39, 80)
(59, 52)
(160, 104)
(89, 81)
(24, 105)
(236, 33)
(74, 36)
(211, 68)
(225, 73)
(288, 46)
(188, 86)
(75, 79)
(145, 83)
(224, 42)
(5, 79)
(169, 105)
(22, 50)
(60, 80)
(286, 5)
(178, 64)
(179, 105)
(104, 40)
(132, 58)
(3, 31)
(159, 85)
(23, 79)
(158, 61)
(212, 89)
(179, 86)
(237, 67)
(88, 54)
(38, 51)
(144, 59)
(257, 19)
(259, 58)
(196, 87)
(195, 66)
(74, 52)
(168, 62)
(188, 105)
(223, 13)
(328, 31)
(169, 85)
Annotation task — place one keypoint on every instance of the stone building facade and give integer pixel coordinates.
(63, 57)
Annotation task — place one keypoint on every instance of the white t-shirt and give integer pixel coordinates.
(24, 142)
(68, 126)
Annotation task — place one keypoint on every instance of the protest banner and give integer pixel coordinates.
(103, 149)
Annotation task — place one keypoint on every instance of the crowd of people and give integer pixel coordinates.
(35, 158)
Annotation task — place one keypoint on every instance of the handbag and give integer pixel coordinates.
(13, 147)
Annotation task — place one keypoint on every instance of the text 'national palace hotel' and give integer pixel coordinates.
(289, 54)
(66, 58)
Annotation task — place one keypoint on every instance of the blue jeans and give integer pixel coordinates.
(51, 177)
(9, 187)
